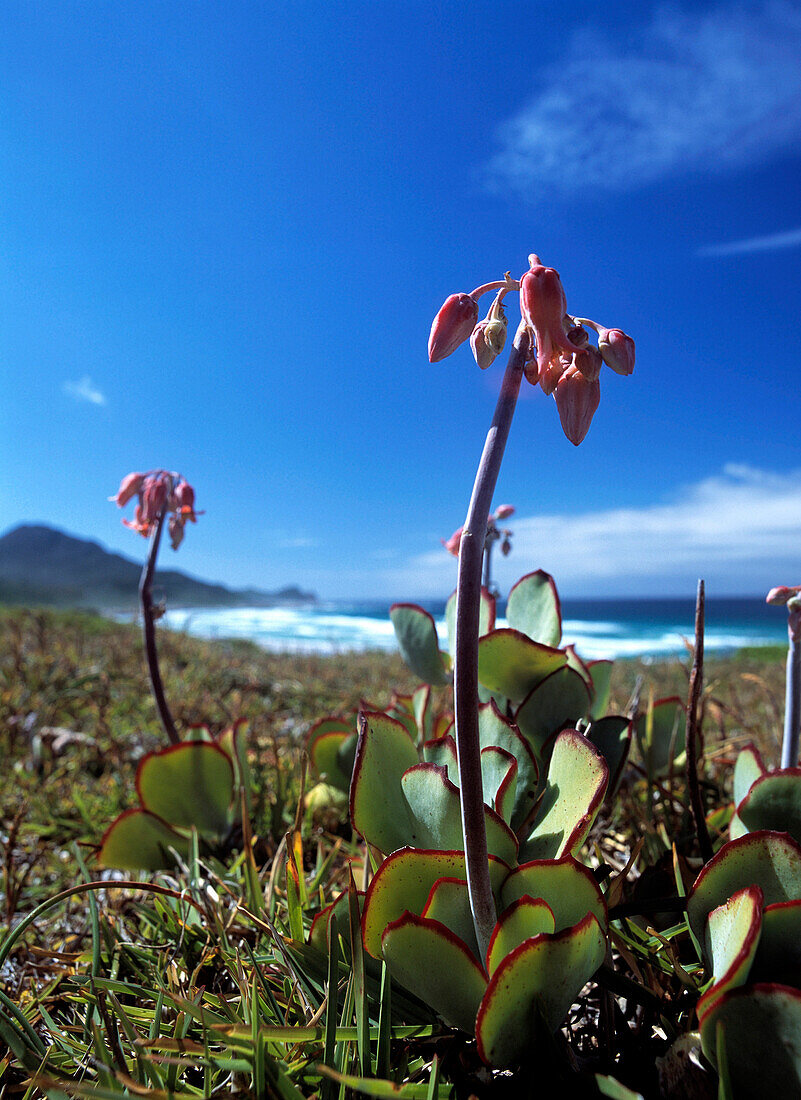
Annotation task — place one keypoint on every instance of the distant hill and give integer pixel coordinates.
(40, 565)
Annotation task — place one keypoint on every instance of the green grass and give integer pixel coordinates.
(197, 983)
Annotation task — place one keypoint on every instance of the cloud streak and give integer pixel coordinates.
(790, 238)
(740, 530)
(688, 92)
(85, 390)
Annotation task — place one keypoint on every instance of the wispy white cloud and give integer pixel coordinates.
(85, 390)
(790, 238)
(740, 530)
(711, 91)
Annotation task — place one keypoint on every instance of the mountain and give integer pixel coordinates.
(41, 566)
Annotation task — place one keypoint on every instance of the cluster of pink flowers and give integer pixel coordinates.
(157, 492)
(562, 361)
(503, 511)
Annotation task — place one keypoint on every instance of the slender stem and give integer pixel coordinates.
(465, 669)
(693, 734)
(487, 564)
(792, 702)
(151, 653)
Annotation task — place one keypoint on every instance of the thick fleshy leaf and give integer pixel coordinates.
(318, 933)
(612, 737)
(774, 802)
(567, 886)
(732, 935)
(778, 954)
(140, 841)
(512, 665)
(533, 608)
(418, 642)
(661, 734)
(378, 809)
(442, 752)
(524, 918)
(539, 980)
(404, 881)
(556, 704)
(486, 617)
(431, 962)
(423, 713)
(579, 665)
(499, 780)
(234, 742)
(771, 861)
(601, 674)
(436, 814)
(325, 758)
(574, 791)
(495, 730)
(736, 827)
(402, 710)
(759, 1029)
(748, 767)
(449, 903)
(188, 785)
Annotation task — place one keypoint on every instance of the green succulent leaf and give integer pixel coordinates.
(539, 981)
(449, 903)
(601, 676)
(318, 933)
(486, 620)
(557, 703)
(748, 767)
(511, 664)
(756, 1030)
(436, 814)
(378, 809)
(433, 963)
(417, 638)
(774, 802)
(574, 791)
(495, 730)
(325, 758)
(190, 785)
(778, 953)
(233, 741)
(442, 751)
(533, 608)
(661, 734)
(499, 780)
(524, 918)
(139, 841)
(769, 860)
(404, 881)
(612, 737)
(732, 935)
(423, 713)
(567, 886)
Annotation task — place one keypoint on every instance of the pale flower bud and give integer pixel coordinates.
(503, 511)
(454, 542)
(452, 326)
(129, 487)
(617, 350)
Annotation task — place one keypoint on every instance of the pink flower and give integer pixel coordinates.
(617, 350)
(130, 486)
(453, 543)
(576, 399)
(452, 326)
(782, 594)
(503, 511)
(154, 497)
(184, 497)
(543, 306)
(176, 531)
(138, 524)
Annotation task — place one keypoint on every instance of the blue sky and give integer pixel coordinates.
(227, 228)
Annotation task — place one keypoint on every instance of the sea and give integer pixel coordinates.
(608, 628)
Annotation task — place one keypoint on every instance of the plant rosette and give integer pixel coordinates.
(549, 940)
(189, 787)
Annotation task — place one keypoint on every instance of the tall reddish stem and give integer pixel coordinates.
(149, 627)
(465, 669)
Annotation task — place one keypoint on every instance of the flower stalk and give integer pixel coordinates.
(149, 628)
(465, 670)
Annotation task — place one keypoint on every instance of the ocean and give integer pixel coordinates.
(598, 628)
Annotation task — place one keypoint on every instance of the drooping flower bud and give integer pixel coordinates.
(454, 542)
(176, 530)
(506, 546)
(185, 500)
(589, 362)
(503, 511)
(452, 326)
(155, 497)
(617, 350)
(782, 594)
(576, 399)
(129, 487)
